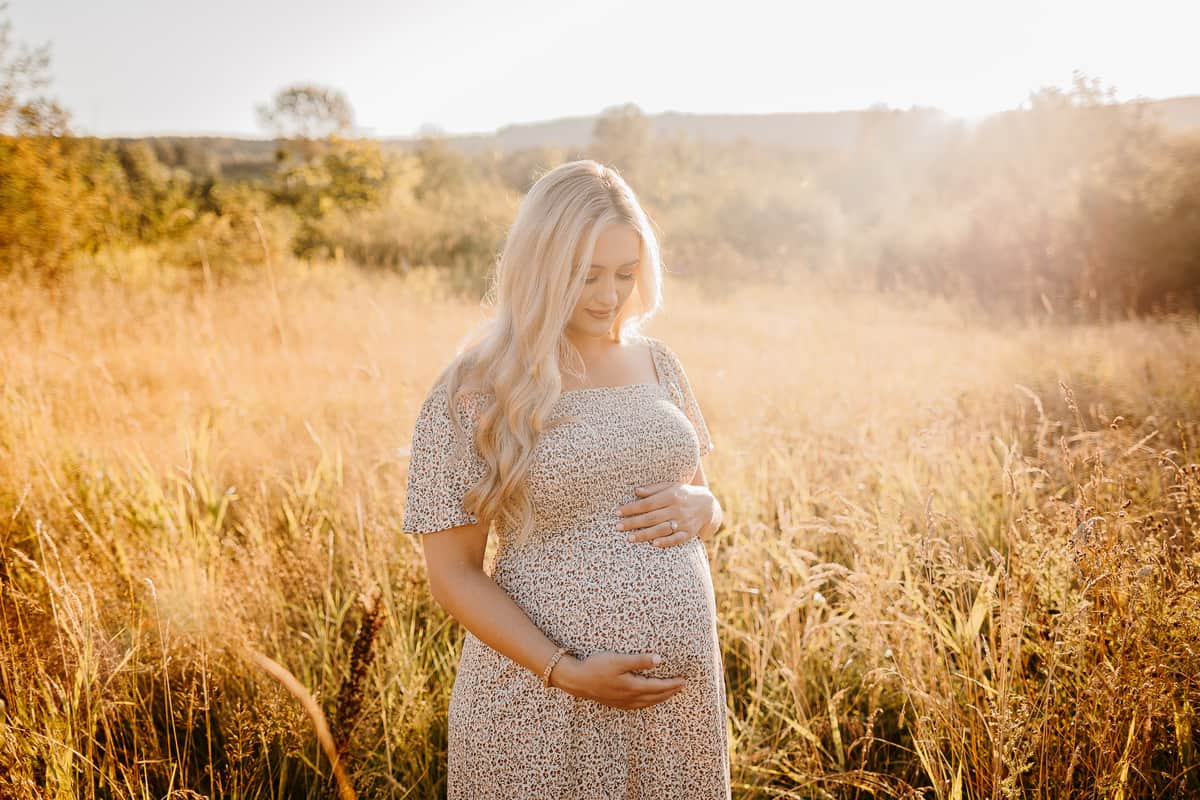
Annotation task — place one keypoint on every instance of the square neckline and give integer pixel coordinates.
(658, 374)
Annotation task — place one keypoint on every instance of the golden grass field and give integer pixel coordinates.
(958, 560)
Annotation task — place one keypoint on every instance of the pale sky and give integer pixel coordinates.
(137, 67)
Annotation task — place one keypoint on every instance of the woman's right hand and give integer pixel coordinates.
(608, 678)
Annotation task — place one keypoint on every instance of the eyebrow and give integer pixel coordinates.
(630, 264)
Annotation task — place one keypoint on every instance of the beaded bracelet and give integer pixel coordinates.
(550, 666)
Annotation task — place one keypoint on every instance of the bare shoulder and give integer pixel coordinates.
(653, 343)
(661, 350)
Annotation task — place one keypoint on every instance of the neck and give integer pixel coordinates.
(589, 345)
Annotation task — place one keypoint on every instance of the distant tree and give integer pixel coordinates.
(621, 137)
(24, 70)
(350, 176)
(145, 194)
(47, 206)
(303, 114)
(308, 112)
(444, 168)
(520, 169)
(431, 130)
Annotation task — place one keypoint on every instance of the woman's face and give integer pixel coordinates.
(609, 281)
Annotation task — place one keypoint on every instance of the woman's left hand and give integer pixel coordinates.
(648, 519)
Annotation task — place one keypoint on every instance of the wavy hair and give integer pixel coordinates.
(515, 355)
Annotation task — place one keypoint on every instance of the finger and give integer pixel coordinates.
(652, 531)
(654, 502)
(647, 497)
(643, 518)
(638, 683)
(633, 507)
(631, 662)
(675, 539)
(679, 685)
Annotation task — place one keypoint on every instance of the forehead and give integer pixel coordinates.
(616, 246)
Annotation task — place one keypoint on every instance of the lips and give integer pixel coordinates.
(599, 315)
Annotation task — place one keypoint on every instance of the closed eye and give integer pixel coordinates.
(622, 276)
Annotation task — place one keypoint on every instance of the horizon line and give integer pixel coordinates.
(438, 131)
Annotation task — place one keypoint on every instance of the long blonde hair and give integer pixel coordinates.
(515, 354)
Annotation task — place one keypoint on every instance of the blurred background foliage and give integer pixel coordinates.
(1075, 205)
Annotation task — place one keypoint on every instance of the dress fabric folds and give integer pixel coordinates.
(588, 588)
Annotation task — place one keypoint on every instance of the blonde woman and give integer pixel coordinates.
(591, 666)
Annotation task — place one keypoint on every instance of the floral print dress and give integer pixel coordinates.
(587, 588)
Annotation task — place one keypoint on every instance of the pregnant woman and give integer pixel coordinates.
(590, 666)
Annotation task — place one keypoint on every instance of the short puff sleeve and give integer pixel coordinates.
(685, 398)
(441, 467)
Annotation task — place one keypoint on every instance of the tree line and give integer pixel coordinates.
(1073, 205)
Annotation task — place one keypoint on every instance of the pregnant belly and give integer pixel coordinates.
(625, 597)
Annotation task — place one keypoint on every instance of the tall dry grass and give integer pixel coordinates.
(958, 559)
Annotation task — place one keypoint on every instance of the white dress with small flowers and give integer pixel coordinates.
(587, 588)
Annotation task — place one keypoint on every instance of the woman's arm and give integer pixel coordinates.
(718, 515)
(454, 560)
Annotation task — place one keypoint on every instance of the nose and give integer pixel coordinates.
(607, 294)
